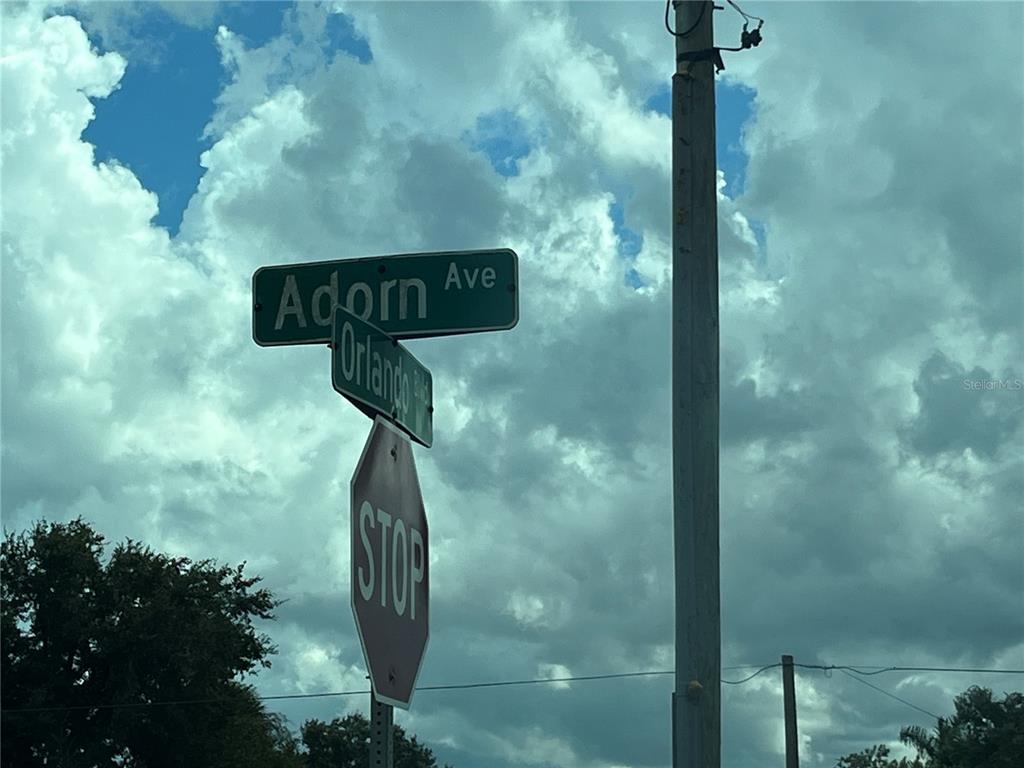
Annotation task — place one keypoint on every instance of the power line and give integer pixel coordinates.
(859, 674)
(690, 30)
(879, 670)
(176, 702)
(859, 669)
(751, 677)
(570, 679)
(890, 695)
(530, 681)
(743, 13)
(450, 687)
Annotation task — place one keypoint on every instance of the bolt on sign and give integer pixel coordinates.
(390, 564)
(380, 376)
(405, 295)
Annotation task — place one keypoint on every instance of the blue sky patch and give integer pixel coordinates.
(761, 236)
(734, 106)
(759, 231)
(342, 36)
(500, 135)
(630, 241)
(660, 101)
(256, 23)
(153, 123)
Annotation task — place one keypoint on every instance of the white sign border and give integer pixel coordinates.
(352, 545)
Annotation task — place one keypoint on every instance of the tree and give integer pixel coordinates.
(983, 732)
(341, 743)
(876, 757)
(345, 743)
(136, 662)
(247, 735)
(140, 631)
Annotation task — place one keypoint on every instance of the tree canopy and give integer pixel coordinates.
(137, 662)
(344, 743)
(983, 731)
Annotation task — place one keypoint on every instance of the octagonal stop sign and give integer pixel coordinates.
(390, 569)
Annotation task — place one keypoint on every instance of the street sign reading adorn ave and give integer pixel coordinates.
(390, 564)
(405, 295)
(380, 376)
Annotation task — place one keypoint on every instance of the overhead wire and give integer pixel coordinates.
(743, 13)
(890, 695)
(568, 679)
(690, 30)
(751, 677)
(846, 669)
(748, 39)
(879, 670)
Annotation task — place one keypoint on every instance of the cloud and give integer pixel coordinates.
(946, 423)
(867, 496)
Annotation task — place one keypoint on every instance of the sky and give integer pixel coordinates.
(871, 252)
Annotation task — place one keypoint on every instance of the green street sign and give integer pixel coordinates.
(405, 295)
(380, 376)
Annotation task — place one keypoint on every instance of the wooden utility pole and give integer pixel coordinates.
(696, 701)
(789, 710)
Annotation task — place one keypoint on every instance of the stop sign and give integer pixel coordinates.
(390, 567)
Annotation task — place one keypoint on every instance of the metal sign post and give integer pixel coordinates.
(382, 732)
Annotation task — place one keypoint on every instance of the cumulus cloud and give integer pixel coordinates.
(868, 495)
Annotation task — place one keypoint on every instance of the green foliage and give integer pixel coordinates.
(983, 732)
(247, 735)
(876, 757)
(344, 743)
(166, 637)
(341, 743)
(142, 628)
